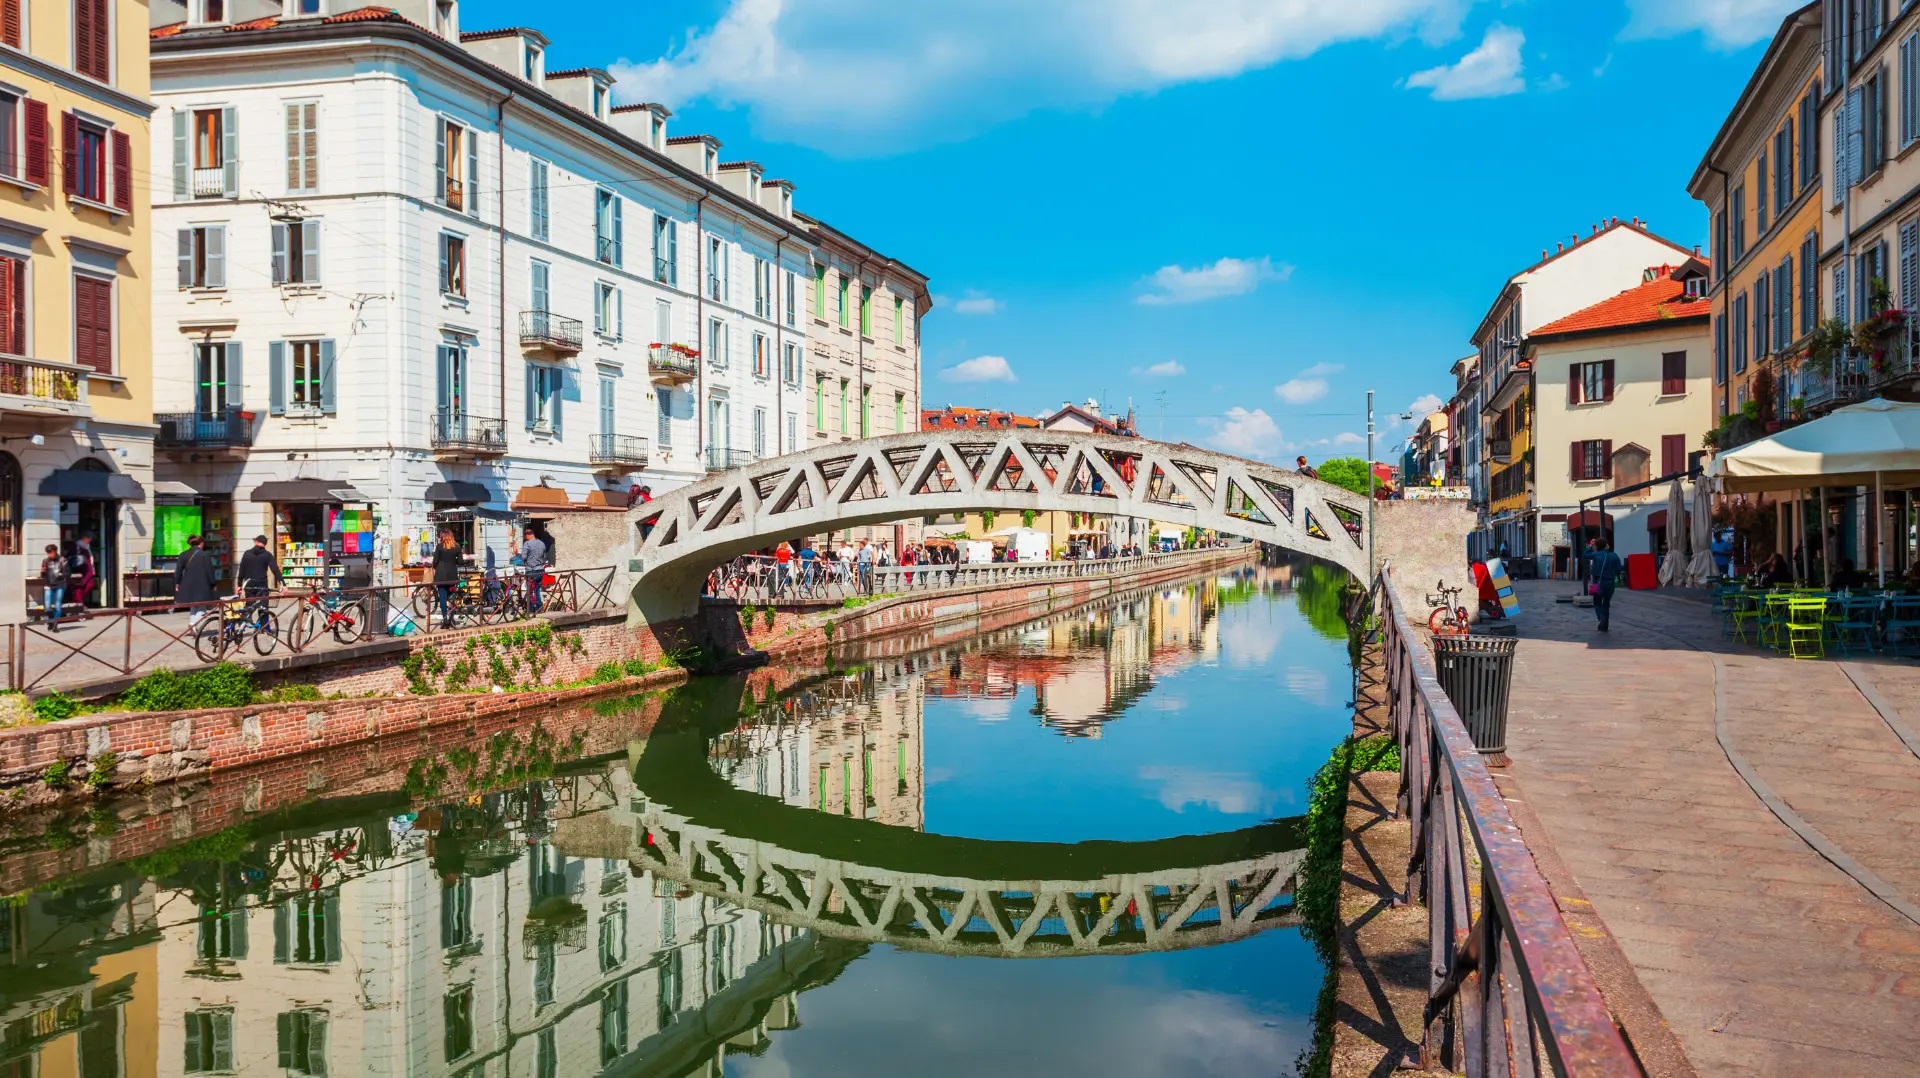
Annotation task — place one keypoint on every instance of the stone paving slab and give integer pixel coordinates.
(1763, 956)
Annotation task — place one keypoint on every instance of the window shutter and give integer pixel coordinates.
(600, 298)
(8, 346)
(1910, 266)
(39, 153)
(1673, 453)
(1578, 468)
(216, 256)
(533, 396)
(559, 377)
(619, 250)
(93, 323)
(446, 277)
(279, 254)
(1606, 379)
(69, 146)
(1840, 290)
(619, 315)
(277, 405)
(102, 50)
(194, 1064)
(440, 165)
(230, 150)
(444, 383)
(83, 37)
(10, 22)
(180, 155)
(1855, 136)
(236, 398)
(310, 252)
(1606, 458)
(316, 1061)
(329, 382)
(673, 253)
(185, 250)
(473, 174)
(122, 172)
(223, 1041)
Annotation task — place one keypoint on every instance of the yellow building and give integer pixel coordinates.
(1508, 426)
(76, 422)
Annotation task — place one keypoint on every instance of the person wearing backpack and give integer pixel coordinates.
(53, 574)
(1603, 574)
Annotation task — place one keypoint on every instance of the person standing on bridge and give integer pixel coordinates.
(1300, 465)
(864, 558)
(1602, 576)
(533, 563)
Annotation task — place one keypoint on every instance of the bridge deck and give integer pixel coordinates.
(1764, 956)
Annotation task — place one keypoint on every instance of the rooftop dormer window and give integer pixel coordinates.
(1696, 287)
(713, 160)
(532, 64)
(657, 138)
(308, 8)
(211, 11)
(599, 101)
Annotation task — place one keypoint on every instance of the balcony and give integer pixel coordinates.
(618, 451)
(456, 195)
(550, 332)
(458, 435)
(605, 251)
(1845, 381)
(210, 182)
(228, 428)
(719, 460)
(1500, 450)
(38, 387)
(672, 364)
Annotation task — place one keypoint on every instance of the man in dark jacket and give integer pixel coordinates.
(193, 581)
(255, 565)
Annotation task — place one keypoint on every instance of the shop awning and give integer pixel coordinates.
(307, 491)
(458, 490)
(1876, 441)
(1591, 518)
(1657, 519)
(85, 485)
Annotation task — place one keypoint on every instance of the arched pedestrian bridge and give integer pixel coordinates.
(681, 536)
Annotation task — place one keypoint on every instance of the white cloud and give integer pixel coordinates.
(1347, 437)
(1491, 70)
(1431, 402)
(970, 304)
(1321, 370)
(980, 369)
(1555, 81)
(1170, 368)
(1301, 390)
(877, 76)
(1227, 277)
(1232, 792)
(1245, 433)
(1726, 24)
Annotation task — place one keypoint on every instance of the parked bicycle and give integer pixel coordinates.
(1448, 618)
(240, 620)
(331, 612)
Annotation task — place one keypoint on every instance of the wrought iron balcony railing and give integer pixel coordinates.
(461, 432)
(719, 459)
(210, 182)
(556, 333)
(1845, 381)
(456, 194)
(41, 386)
(618, 450)
(670, 365)
(224, 428)
(1500, 449)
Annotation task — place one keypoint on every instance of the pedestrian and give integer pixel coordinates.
(193, 582)
(1603, 574)
(83, 572)
(533, 561)
(783, 566)
(447, 562)
(53, 575)
(1300, 465)
(864, 558)
(256, 565)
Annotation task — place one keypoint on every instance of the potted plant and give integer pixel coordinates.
(1829, 339)
(1711, 439)
(1796, 407)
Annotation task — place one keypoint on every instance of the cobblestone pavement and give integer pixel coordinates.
(1764, 956)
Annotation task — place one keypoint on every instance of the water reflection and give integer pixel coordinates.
(662, 910)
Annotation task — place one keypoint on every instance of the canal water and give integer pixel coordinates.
(1059, 848)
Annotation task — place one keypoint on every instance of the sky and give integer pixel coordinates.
(1236, 218)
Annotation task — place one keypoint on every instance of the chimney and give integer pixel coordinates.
(1559, 248)
(1696, 250)
(1543, 254)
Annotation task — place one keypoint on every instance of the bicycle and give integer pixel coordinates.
(331, 612)
(239, 619)
(1449, 618)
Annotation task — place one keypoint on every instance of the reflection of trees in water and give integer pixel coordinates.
(1320, 588)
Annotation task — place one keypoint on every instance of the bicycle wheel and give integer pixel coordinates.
(209, 639)
(423, 601)
(354, 627)
(1438, 620)
(266, 632)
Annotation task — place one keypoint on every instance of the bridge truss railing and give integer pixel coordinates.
(1509, 992)
(759, 579)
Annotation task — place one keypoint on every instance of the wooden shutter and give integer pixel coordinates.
(122, 172)
(39, 153)
(236, 398)
(472, 178)
(83, 18)
(1606, 458)
(69, 149)
(440, 163)
(93, 323)
(8, 270)
(1578, 468)
(310, 252)
(184, 249)
(102, 50)
(1673, 453)
(215, 257)
(10, 22)
(619, 252)
(1606, 379)
(230, 152)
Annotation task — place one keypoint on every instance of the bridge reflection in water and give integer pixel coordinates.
(645, 915)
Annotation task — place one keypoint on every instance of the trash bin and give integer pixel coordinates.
(1476, 673)
(378, 614)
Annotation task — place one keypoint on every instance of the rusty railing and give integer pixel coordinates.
(1509, 993)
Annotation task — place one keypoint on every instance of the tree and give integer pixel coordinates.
(1348, 472)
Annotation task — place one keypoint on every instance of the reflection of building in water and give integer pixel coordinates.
(844, 745)
(78, 980)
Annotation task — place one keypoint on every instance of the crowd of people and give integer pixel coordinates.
(851, 563)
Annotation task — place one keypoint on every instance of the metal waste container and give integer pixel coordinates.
(1476, 673)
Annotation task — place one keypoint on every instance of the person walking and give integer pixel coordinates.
(447, 562)
(53, 575)
(533, 562)
(193, 581)
(1603, 574)
(864, 558)
(782, 567)
(256, 565)
(82, 572)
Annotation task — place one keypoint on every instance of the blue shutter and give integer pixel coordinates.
(443, 397)
(557, 380)
(673, 253)
(619, 247)
(184, 250)
(216, 256)
(277, 377)
(1809, 285)
(329, 380)
(440, 161)
(473, 174)
(1840, 309)
(533, 397)
(1910, 265)
(230, 150)
(236, 377)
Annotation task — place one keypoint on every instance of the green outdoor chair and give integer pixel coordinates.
(1749, 607)
(1855, 623)
(1806, 628)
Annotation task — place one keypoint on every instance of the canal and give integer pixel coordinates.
(1066, 847)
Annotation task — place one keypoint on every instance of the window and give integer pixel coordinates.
(450, 385)
(1762, 316)
(712, 161)
(790, 364)
(844, 413)
(1739, 222)
(866, 411)
(457, 1023)
(1873, 126)
(1673, 374)
(657, 131)
(1783, 189)
(599, 101)
(301, 377)
(208, 166)
(1738, 329)
(820, 405)
(92, 36)
(608, 389)
(530, 64)
(820, 291)
(306, 928)
(664, 422)
(899, 413)
(456, 913)
(1871, 294)
(1809, 283)
(1592, 460)
(93, 322)
(899, 320)
(845, 313)
(202, 256)
(672, 975)
(762, 359)
(309, 7)
(1673, 453)
(666, 251)
(793, 435)
(608, 315)
(717, 343)
(453, 264)
(1783, 304)
(296, 253)
(539, 286)
(538, 222)
(302, 1037)
(607, 246)
(760, 432)
(613, 937)
(762, 288)
(217, 383)
(613, 1022)
(84, 162)
(457, 168)
(1696, 288)
(545, 389)
(714, 252)
(210, 1042)
(662, 322)
(1590, 383)
(866, 311)
(222, 933)
(1809, 139)
(790, 297)
(12, 151)
(303, 146)
(11, 497)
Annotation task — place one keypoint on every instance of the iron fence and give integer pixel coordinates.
(224, 428)
(1509, 993)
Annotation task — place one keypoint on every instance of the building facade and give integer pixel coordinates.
(1463, 411)
(76, 390)
(419, 272)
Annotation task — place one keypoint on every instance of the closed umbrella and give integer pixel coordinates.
(1673, 571)
(1702, 569)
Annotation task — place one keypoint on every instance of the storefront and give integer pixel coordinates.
(91, 495)
(323, 532)
(179, 514)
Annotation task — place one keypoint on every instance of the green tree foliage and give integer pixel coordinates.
(1348, 472)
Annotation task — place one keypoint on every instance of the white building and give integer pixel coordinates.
(413, 269)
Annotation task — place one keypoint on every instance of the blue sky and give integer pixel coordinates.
(1241, 217)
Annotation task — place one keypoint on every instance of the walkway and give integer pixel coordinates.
(1764, 956)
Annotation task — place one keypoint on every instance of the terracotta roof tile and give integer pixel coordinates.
(366, 14)
(576, 72)
(168, 30)
(267, 22)
(494, 35)
(1659, 300)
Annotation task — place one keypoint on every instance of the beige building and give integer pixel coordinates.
(1622, 392)
(76, 387)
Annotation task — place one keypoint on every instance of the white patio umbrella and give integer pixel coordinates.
(1673, 571)
(1702, 568)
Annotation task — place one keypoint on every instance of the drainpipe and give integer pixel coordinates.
(1726, 271)
(779, 370)
(700, 324)
(500, 202)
